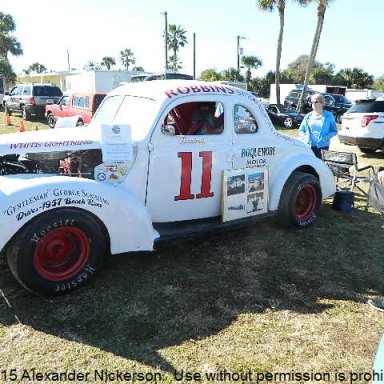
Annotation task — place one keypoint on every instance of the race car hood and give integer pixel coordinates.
(51, 140)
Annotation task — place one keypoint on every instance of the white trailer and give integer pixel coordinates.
(97, 81)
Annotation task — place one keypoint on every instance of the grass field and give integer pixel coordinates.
(230, 307)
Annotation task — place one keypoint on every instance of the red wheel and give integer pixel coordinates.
(62, 253)
(57, 251)
(300, 200)
(306, 201)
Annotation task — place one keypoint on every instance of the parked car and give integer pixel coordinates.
(287, 117)
(83, 105)
(293, 97)
(337, 104)
(363, 125)
(143, 172)
(31, 99)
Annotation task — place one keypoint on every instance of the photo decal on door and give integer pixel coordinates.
(245, 193)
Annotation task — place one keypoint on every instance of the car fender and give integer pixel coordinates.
(126, 219)
(303, 162)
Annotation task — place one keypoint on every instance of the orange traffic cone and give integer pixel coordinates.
(22, 129)
(8, 119)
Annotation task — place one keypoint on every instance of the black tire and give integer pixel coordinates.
(288, 123)
(338, 118)
(367, 150)
(300, 201)
(25, 114)
(7, 110)
(51, 121)
(57, 251)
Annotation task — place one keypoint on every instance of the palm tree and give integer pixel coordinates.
(91, 66)
(8, 44)
(175, 39)
(174, 63)
(127, 58)
(321, 8)
(269, 5)
(251, 62)
(231, 74)
(108, 62)
(36, 68)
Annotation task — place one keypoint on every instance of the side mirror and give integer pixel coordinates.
(7, 93)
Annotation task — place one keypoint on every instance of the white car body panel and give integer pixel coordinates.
(149, 192)
(24, 197)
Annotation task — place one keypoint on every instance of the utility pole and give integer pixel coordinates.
(69, 65)
(238, 52)
(194, 55)
(165, 39)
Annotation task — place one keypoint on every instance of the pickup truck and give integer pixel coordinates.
(83, 105)
(160, 159)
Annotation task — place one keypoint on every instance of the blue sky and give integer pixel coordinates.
(89, 29)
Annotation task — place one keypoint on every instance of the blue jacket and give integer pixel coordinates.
(328, 130)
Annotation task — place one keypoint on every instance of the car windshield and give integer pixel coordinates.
(138, 112)
(367, 106)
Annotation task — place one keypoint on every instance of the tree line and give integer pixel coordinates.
(305, 69)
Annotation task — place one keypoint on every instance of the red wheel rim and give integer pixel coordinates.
(305, 202)
(61, 253)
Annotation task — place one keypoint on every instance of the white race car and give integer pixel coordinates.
(160, 159)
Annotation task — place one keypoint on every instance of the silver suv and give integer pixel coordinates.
(31, 99)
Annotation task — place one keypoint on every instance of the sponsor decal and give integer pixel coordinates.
(257, 157)
(191, 140)
(50, 144)
(193, 89)
(57, 197)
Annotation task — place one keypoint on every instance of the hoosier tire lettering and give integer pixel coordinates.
(57, 251)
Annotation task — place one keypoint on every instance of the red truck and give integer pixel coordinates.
(83, 105)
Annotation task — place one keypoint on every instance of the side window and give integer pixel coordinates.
(64, 101)
(14, 91)
(27, 90)
(199, 118)
(78, 101)
(244, 122)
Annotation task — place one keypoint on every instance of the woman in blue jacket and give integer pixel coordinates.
(318, 126)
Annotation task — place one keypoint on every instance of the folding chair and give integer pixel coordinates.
(347, 170)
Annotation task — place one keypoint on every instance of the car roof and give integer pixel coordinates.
(165, 90)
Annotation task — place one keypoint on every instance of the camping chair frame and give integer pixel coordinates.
(347, 170)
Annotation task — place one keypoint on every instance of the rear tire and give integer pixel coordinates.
(57, 251)
(7, 110)
(51, 120)
(25, 114)
(300, 201)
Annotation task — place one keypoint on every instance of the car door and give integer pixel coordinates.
(64, 106)
(185, 169)
(14, 97)
(254, 146)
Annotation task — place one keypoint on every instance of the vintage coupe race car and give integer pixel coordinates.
(160, 159)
